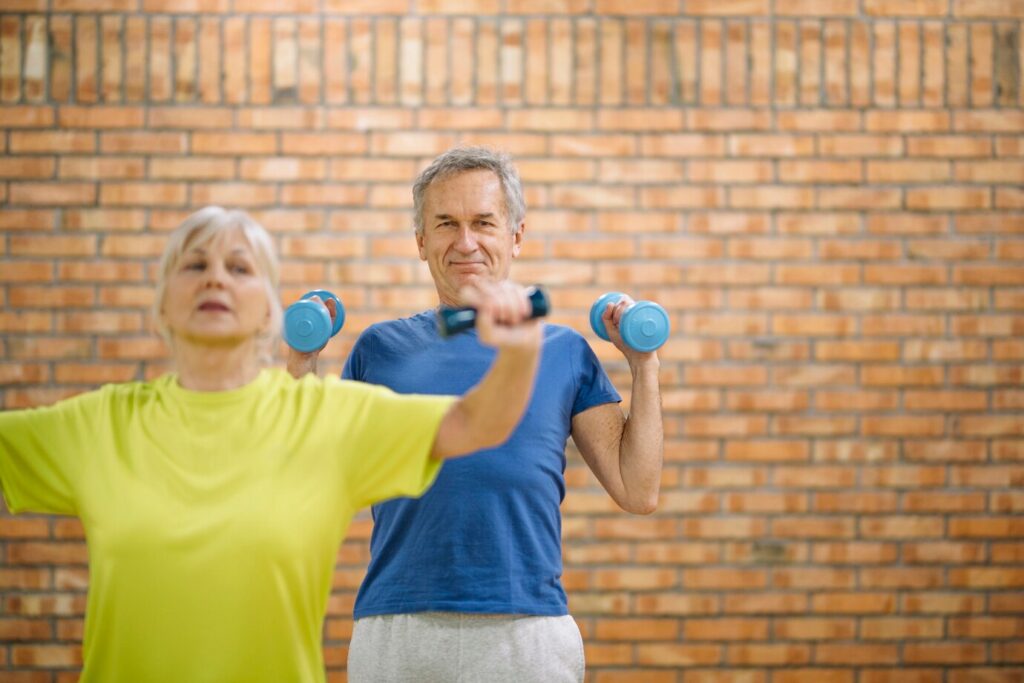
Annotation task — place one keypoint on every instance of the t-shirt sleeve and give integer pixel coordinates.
(355, 364)
(41, 452)
(389, 444)
(595, 387)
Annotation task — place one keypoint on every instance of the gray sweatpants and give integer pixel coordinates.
(452, 647)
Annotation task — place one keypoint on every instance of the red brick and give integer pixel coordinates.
(943, 553)
(855, 553)
(143, 143)
(52, 245)
(142, 194)
(49, 194)
(677, 655)
(100, 117)
(765, 603)
(727, 120)
(15, 630)
(637, 629)
(33, 552)
(26, 116)
(904, 171)
(99, 322)
(984, 577)
(189, 118)
(768, 655)
(949, 197)
(81, 373)
(942, 603)
(52, 141)
(191, 168)
(907, 121)
(730, 171)
(990, 172)
(49, 656)
(913, 8)
(185, 6)
(234, 143)
(991, 120)
(26, 167)
(820, 172)
(839, 401)
(102, 168)
(946, 652)
(770, 197)
(282, 168)
(856, 653)
(986, 674)
(901, 578)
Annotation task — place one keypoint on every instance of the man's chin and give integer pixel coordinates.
(466, 275)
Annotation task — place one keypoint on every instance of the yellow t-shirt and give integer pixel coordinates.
(213, 519)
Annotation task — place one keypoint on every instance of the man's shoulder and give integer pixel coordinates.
(399, 331)
(563, 335)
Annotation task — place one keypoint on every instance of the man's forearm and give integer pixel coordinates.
(641, 450)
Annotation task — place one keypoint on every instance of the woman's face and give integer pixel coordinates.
(215, 295)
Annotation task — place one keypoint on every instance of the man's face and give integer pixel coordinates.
(466, 232)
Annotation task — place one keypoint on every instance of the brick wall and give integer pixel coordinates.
(827, 197)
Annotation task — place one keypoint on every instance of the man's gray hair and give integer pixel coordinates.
(461, 159)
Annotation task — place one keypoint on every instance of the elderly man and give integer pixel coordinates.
(464, 584)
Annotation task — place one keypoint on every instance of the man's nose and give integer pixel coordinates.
(465, 239)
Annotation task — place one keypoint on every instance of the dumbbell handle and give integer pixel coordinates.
(452, 320)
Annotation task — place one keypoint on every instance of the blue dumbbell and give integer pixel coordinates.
(454, 320)
(644, 325)
(307, 324)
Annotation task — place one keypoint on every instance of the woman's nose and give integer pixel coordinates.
(215, 275)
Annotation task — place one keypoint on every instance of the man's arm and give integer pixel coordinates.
(626, 453)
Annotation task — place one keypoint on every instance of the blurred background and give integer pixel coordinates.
(826, 195)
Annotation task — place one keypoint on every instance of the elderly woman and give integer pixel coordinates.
(214, 498)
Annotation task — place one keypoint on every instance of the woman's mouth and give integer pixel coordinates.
(213, 306)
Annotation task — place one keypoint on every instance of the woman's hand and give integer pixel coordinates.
(502, 314)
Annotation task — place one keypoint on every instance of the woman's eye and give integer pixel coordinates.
(195, 265)
(241, 268)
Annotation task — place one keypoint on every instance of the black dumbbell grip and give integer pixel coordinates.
(454, 320)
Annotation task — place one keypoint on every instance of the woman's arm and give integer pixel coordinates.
(487, 415)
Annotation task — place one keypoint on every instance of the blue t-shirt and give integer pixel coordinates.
(487, 536)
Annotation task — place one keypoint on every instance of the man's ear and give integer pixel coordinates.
(517, 239)
(420, 247)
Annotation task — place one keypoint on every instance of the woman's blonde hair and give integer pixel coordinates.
(201, 228)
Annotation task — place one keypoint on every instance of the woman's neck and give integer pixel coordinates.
(215, 368)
